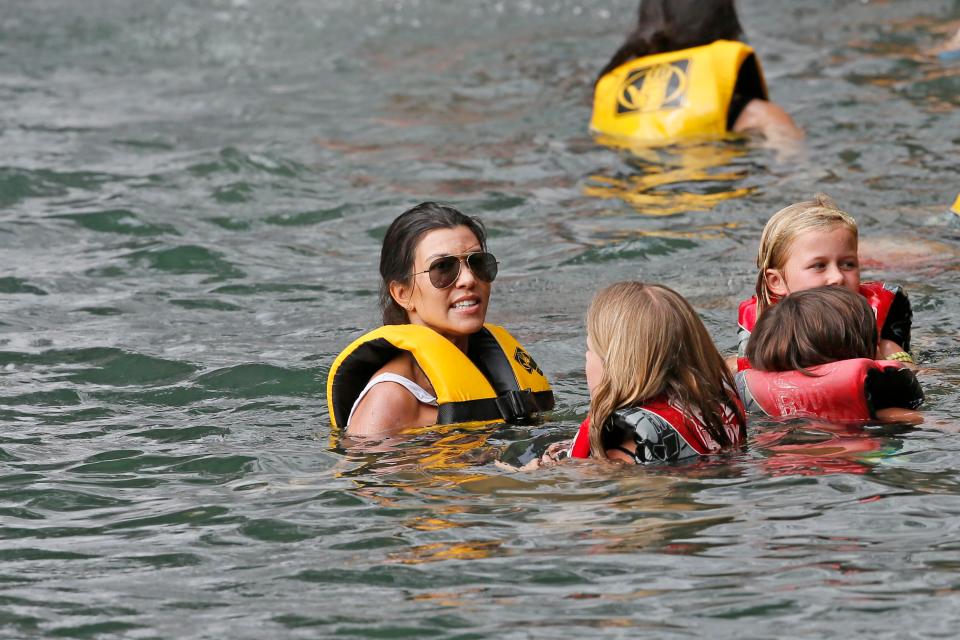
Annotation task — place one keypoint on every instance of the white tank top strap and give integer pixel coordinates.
(418, 392)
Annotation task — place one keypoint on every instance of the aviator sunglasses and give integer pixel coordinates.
(444, 271)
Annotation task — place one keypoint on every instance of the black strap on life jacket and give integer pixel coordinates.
(511, 404)
(515, 407)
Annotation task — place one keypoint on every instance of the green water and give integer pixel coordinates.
(192, 196)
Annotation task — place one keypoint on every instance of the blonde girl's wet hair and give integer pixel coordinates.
(653, 344)
(785, 226)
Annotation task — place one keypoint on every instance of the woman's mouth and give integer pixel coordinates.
(466, 304)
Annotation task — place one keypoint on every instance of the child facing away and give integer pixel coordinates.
(811, 244)
(659, 389)
(813, 356)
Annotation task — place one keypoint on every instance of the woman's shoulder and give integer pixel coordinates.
(386, 408)
(403, 364)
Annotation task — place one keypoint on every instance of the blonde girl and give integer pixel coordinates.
(811, 244)
(659, 390)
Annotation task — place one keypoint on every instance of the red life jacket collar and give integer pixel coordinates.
(836, 391)
(688, 426)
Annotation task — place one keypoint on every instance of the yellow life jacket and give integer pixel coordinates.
(956, 206)
(495, 380)
(685, 93)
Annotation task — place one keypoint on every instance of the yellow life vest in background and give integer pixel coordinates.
(495, 380)
(678, 94)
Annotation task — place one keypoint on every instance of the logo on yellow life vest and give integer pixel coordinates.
(524, 360)
(659, 86)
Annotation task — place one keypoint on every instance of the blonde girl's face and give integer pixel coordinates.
(594, 367)
(818, 258)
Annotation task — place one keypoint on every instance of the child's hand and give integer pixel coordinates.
(554, 454)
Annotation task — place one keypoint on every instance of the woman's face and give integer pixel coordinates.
(594, 367)
(457, 311)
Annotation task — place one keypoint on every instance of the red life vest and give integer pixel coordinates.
(837, 392)
(687, 425)
(878, 294)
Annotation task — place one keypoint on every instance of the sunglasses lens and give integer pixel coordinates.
(483, 265)
(444, 271)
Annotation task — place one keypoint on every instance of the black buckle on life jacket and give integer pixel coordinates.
(517, 405)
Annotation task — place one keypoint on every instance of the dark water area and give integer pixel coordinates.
(192, 196)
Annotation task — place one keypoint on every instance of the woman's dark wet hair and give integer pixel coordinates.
(812, 327)
(400, 247)
(670, 25)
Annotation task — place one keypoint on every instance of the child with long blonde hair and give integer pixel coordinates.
(810, 244)
(659, 389)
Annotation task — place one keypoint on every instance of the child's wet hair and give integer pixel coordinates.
(813, 327)
(653, 344)
(784, 227)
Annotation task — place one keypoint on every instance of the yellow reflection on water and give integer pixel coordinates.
(671, 180)
(432, 524)
(703, 232)
(442, 452)
(447, 598)
(439, 551)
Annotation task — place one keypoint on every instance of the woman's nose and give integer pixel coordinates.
(465, 278)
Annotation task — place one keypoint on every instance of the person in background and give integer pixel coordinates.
(685, 72)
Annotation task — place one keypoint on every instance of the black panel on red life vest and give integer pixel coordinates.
(892, 387)
(656, 439)
(899, 320)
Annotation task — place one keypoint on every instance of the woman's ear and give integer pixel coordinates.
(402, 294)
(775, 282)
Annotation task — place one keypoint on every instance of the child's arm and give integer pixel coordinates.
(895, 333)
(731, 362)
(896, 414)
(890, 350)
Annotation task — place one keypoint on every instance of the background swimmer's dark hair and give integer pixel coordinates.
(400, 247)
(811, 327)
(670, 25)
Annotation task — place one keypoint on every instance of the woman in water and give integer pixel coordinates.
(434, 361)
(686, 72)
